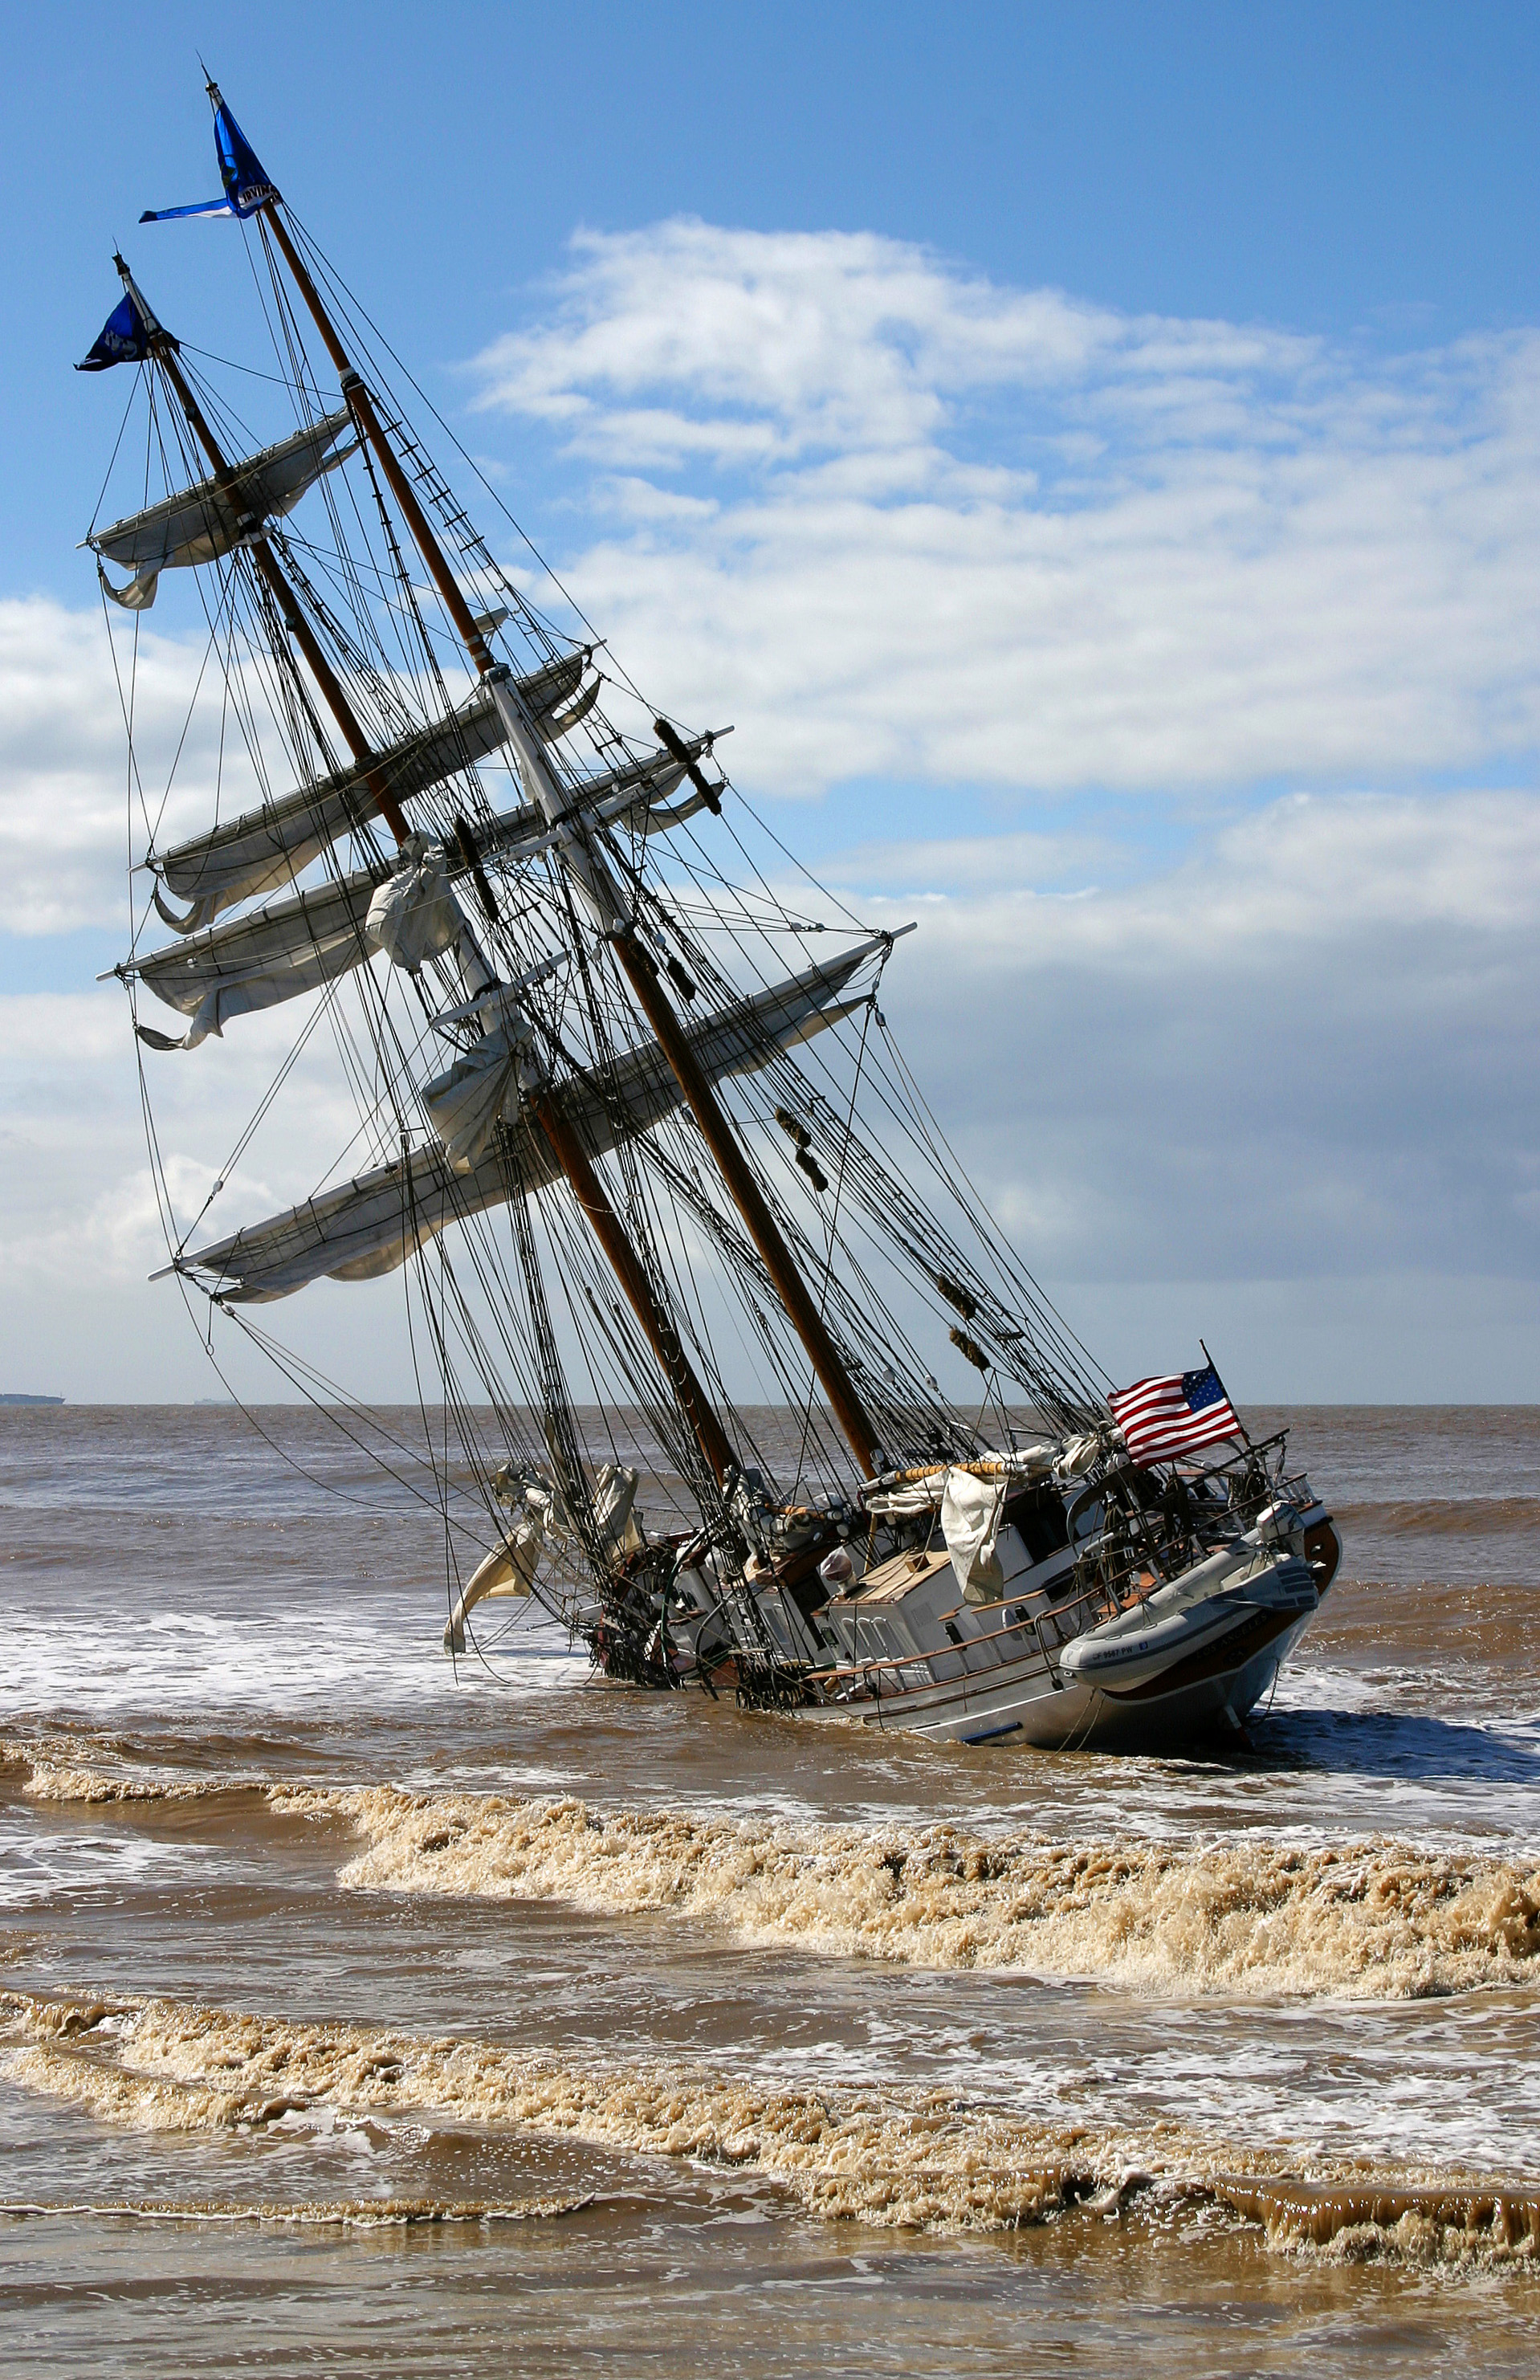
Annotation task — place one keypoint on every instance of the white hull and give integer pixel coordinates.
(1188, 1663)
(1018, 1705)
(1065, 1652)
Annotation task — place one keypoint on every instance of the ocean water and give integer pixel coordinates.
(360, 2011)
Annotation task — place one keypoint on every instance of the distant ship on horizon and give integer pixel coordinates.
(20, 1397)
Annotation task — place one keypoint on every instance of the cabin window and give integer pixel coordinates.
(1089, 1517)
(1039, 1515)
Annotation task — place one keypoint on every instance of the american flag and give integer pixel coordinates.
(1160, 1419)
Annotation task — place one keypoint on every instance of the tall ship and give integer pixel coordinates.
(625, 1118)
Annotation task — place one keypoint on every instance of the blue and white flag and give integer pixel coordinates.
(246, 188)
(125, 339)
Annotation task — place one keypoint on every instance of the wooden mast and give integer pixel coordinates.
(565, 1146)
(750, 1201)
(719, 1137)
(611, 1235)
(163, 348)
(360, 403)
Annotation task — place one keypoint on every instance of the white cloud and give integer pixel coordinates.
(1307, 1048)
(1304, 1050)
(1306, 867)
(76, 1187)
(66, 822)
(905, 524)
(964, 533)
(825, 341)
(80, 1229)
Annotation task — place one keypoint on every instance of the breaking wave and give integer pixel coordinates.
(1375, 1920)
(1245, 1915)
(924, 2160)
(62, 1780)
(1357, 2222)
(322, 2213)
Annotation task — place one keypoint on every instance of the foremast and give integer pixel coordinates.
(163, 347)
(565, 1146)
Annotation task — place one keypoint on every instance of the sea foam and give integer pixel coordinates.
(1242, 1915)
(924, 2161)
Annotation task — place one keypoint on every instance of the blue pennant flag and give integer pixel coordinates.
(246, 188)
(125, 339)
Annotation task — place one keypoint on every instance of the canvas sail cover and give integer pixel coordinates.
(294, 945)
(370, 1225)
(971, 1511)
(273, 843)
(208, 520)
(275, 954)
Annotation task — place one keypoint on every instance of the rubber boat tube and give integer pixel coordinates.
(1191, 1613)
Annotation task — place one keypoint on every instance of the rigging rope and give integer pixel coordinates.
(483, 1311)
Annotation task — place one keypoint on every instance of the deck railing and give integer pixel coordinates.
(1114, 1571)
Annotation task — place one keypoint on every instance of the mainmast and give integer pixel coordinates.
(601, 897)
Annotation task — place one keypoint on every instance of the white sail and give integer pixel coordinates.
(275, 954)
(413, 916)
(201, 523)
(546, 689)
(272, 844)
(370, 1225)
(465, 1103)
(294, 945)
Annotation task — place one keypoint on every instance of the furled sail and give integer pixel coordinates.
(632, 796)
(465, 1104)
(277, 953)
(370, 1225)
(294, 945)
(270, 845)
(297, 943)
(546, 689)
(208, 520)
(414, 916)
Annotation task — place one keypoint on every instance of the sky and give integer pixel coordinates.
(1092, 455)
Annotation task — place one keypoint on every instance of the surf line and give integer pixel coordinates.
(921, 2162)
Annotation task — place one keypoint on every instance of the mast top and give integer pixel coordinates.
(154, 328)
(246, 188)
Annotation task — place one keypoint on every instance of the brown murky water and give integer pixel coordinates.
(357, 2013)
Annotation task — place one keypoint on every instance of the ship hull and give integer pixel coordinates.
(1175, 1673)
(1025, 1708)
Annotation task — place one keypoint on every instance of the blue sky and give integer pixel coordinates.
(1093, 454)
(1368, 171)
